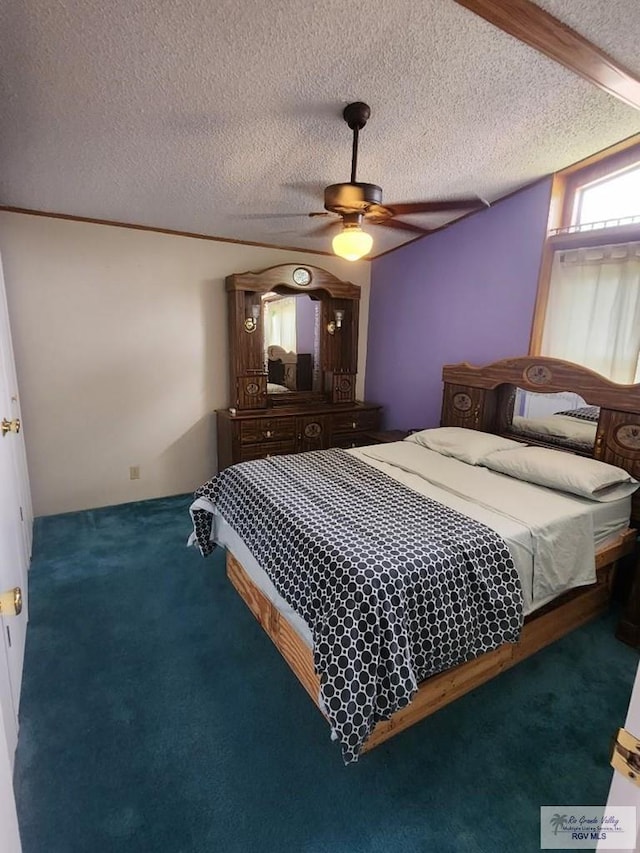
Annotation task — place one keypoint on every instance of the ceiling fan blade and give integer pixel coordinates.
(270, 215)
(312, 189)
(437, 206)
(401, 226)
(324, 228)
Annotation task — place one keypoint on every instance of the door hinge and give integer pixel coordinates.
(9, 636)
(625, 755)
(21, 515)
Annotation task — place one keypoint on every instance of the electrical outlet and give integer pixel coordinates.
(134, 472)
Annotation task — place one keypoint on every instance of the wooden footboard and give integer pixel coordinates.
(540, 629)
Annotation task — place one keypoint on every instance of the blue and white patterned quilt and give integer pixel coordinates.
(584, 413)
(394, 586)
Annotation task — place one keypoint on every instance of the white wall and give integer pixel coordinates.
(121, 348)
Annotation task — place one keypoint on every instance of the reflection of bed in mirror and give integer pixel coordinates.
(561, 419)
(288, 371)
(276, 388)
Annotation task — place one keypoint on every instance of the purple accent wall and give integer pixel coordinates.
(305, 324)
(463, 294)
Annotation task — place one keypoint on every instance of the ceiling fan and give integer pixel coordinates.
(356, 202)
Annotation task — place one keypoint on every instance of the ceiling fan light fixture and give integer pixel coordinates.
(352, 243)
(354, 202)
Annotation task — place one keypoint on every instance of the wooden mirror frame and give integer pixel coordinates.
(338, 350)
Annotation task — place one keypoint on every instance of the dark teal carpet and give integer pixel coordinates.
(157, 716)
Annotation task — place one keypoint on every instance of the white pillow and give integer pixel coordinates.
(565, 472)
(467, 445)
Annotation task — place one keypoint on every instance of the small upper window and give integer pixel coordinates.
(608, 202)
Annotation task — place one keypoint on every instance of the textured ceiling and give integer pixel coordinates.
(195, 115)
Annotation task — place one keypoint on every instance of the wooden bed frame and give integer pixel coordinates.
(482, 398)
(540, 629)
(490, 391)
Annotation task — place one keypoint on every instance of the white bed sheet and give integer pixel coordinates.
(514, 509)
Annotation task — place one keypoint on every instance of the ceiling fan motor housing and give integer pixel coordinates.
(351, 198)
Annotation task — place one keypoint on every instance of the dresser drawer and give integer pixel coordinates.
(267, 429)
(350, 422)
(263, 451)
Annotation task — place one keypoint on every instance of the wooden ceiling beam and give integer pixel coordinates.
(542, 31)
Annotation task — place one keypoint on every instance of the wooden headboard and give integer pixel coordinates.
(482, 398)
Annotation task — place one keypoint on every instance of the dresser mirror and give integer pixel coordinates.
(293, 337)
(291, 341)
(560, 419)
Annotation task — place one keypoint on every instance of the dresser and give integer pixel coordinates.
(265, 418)
(253, 435)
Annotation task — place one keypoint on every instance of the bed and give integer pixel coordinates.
(395, 578)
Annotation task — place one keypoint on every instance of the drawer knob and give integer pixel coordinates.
(353, 425)
(268, 433)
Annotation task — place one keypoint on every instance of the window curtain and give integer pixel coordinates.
(593, 312)
(280, 318)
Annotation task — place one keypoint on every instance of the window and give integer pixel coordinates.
(609, 202)
(588, 308)
(280, 322)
